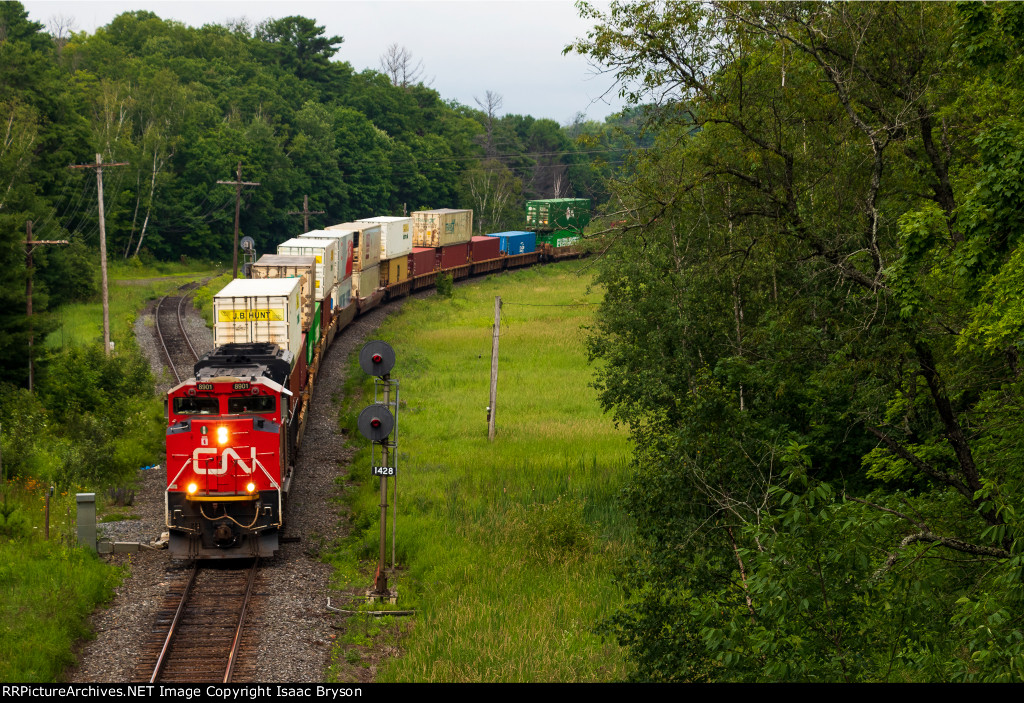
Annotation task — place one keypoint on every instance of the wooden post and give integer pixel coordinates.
(30, 245)
(238, 183)
(305, 212)
(492, 409)
(103, 247)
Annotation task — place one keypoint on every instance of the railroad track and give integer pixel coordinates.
(170, 330)
(200, 635)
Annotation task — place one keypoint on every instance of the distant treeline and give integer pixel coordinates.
(184, 105)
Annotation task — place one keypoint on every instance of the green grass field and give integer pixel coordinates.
(47, 588)
(506, 550)
(130, 288)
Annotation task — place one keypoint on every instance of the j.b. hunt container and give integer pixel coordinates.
(366, 238)
(395, 235)
(346, 243)
(438, 228)
(326, 253)
(259, 310)
(284, 266)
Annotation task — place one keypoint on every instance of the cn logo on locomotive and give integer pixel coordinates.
(228, 453)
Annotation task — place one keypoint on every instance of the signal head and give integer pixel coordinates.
(377, 358)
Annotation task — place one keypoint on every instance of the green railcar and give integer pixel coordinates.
(313, 335)
(560, 238)
(558, 214)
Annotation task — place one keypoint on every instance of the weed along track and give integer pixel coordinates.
(170, 330)
(200, 632)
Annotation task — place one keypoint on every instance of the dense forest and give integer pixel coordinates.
(182, 106)
(810, 251)
(813, 329)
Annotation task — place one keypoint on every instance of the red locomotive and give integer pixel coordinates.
(230, 440)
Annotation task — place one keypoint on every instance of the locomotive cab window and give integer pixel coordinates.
(258, 404)
(196, 406)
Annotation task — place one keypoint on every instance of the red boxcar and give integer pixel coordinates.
(484, 248)
(422, 260)
(454, 255)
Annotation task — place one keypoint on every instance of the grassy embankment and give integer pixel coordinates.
(48, 588)
(506, 550)
(130, 287)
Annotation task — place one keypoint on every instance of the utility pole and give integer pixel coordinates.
(306, 212)
(237, 183)
(492, 409)
(103, 246)
(30, 245)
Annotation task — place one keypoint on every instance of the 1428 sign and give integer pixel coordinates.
(384, 471)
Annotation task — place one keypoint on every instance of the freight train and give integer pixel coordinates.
(233, 429)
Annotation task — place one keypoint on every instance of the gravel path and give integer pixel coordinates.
(297, 629)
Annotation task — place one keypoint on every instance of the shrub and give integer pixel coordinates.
(445, 285)
(13, 522)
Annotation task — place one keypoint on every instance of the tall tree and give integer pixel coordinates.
(826, 483)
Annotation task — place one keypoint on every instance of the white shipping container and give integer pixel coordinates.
(439, 228)
(326, 253)
(343, 294)
(367, 245)
(395, 235)
(283, 266)
(345, 239)
(259, 310)
(365, 282)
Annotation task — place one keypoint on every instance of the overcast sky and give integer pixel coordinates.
(513, 48)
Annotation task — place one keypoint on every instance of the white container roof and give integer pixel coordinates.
(310, 242)
(250, 287)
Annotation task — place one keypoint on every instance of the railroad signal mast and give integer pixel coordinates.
(376, 422)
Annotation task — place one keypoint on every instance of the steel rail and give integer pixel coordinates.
(163, 344)
(236, 645)
(181, 324)
(174, 624)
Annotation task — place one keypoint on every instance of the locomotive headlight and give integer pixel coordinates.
(192, 488)
(250, 487)
(222, 435)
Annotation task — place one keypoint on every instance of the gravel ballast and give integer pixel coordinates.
(296, 627)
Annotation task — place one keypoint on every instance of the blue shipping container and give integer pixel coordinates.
(513, 243)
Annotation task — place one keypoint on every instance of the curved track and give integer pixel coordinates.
(200, 633)
(170, 330)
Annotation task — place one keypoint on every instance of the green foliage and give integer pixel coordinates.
(49, 592)
(507, 546)
(13, 523)
(812, 331)
(444, 285)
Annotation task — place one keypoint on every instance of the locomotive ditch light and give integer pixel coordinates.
(222, 435)
(192, 488)
(250, 487)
